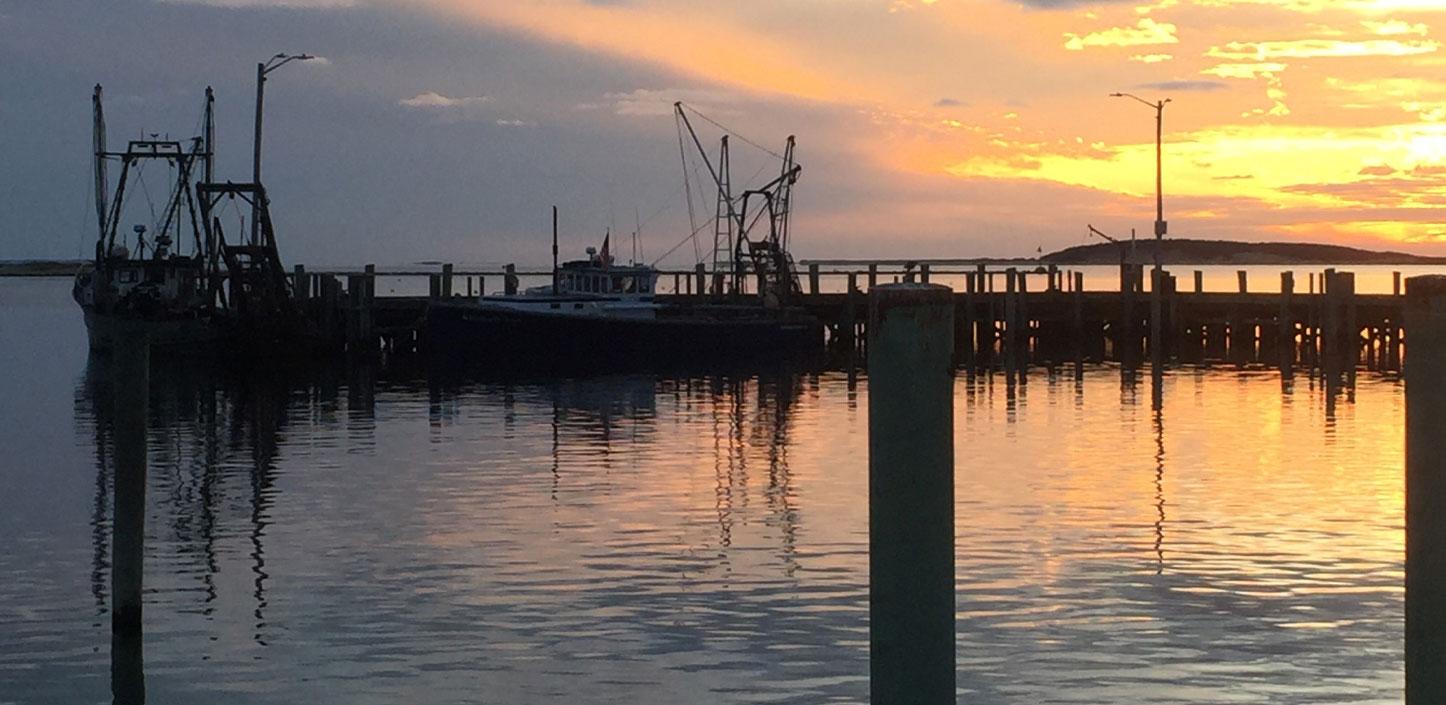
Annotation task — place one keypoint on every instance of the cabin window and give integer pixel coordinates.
(127, 276)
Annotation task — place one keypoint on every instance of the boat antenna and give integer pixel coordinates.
(554, 250)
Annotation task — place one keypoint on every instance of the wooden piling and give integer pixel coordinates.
(1078, 301)
(509, 280)
(718, 285)
(447, 281)
(1053, 274)
(1286, 325)
(964, 324)
(130, 372)
(1021, 318)
(1240, 275)
(924, 272)
(330, 291)
(1011, 318)
(1199, 282)
(131, 395)
(911, 496)
(1157, 317)
(434, 286)
(300, 283)
(355, 290)
(701, 274)
(1126, 339)
(986, 283)
(1426, 491)
(1352, 330)
(813, 277)
(873, 275)
(1395, 283)
(849, 325)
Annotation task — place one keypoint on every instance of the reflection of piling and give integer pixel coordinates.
(1425, 491)
(911, 495)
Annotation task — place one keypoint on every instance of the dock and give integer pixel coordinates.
(1004, 317)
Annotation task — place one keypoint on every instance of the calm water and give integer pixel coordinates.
(375, 536)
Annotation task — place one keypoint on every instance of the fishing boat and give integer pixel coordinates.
(602, 314)
(179, 283)
(597, 312)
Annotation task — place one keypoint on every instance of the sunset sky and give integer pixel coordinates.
(444, 129)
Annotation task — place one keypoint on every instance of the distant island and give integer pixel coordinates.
(1172, 251)
(40, 267)
(1179, 251)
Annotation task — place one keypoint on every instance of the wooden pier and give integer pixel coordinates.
(1004, 317)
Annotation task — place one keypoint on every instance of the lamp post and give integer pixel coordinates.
(1159, 107)
(262, 69)
(1157, 276)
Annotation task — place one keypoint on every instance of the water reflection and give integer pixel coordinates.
(386, 533)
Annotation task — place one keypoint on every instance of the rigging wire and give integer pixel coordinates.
(725, 128)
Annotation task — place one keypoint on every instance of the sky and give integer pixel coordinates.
(444, 130)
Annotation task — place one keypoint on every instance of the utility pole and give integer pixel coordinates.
(262, 69)
(1161, 226)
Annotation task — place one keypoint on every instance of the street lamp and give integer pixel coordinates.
(1159, 107)
(262, 69)
(1158, 275)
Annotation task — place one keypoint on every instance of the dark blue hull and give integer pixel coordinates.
(677, 338)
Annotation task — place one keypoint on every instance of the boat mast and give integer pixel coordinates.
(102, 188)
(554, 251)
(209, 134)
(723, 217)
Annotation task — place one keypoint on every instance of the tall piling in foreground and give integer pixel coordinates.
(1425, 491)
(131, 380)
(911, 495)
(131, 383)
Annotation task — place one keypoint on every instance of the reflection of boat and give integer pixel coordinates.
(184, 293)
(598, 313)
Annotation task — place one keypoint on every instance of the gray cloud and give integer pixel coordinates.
(1192, 85)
